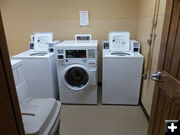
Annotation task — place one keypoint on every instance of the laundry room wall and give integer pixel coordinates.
(24, 17)
(144, 23)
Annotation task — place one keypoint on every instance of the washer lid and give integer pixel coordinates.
(33, 55)
(120, 53)
(124, 55)
(38, 54)
(77, 77)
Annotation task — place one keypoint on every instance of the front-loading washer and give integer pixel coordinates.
(77, 71)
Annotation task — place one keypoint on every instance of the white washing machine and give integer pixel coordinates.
(121, 72)
(40, 71)
(77, 71)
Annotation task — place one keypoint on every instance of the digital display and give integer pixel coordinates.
(75, 53)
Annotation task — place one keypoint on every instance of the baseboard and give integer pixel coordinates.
(144, 110)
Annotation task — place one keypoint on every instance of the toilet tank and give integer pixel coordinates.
(20, 81)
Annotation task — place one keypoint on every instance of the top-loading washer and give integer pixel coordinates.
(77, 71)
(40, 69)
(121, 71)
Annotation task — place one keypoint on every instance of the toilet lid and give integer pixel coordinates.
(42, 110)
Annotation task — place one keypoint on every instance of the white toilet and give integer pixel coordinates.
(40, 116)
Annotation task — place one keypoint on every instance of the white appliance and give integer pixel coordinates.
(77, 71)
(83, 37)
(121, 73)
(40, 115)
(40, 70)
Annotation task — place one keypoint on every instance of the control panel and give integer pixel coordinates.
(105, 44)
(135, 46)
(76, 54)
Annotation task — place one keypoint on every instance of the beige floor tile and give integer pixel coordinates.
(102, 120)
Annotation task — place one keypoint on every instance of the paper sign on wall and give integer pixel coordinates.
(84, 18)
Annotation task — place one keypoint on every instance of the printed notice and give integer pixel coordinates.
(84, 18)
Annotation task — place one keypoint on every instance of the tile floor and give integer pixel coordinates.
(102, 120)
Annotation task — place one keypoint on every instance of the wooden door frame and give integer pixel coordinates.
(11, 121)
(164, 39)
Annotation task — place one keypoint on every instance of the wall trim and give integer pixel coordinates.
(144, 111)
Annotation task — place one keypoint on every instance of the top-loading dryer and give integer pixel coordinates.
(121, 71)
(77, 71)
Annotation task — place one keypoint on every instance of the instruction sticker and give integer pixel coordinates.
(84, 18)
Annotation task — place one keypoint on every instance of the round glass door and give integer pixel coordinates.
(76, 77)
